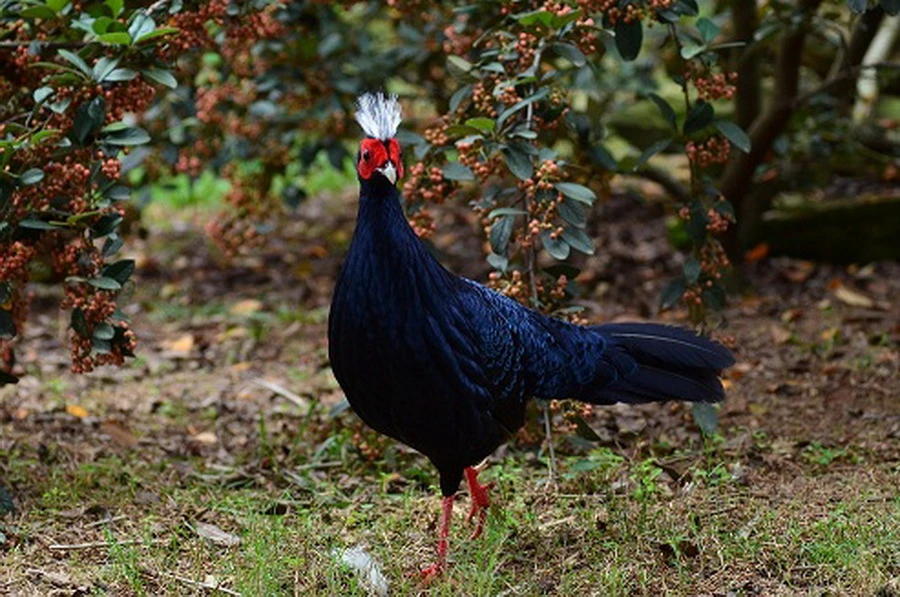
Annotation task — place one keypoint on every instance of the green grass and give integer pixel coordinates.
(614, 529)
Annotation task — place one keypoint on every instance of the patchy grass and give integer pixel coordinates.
(615, 523)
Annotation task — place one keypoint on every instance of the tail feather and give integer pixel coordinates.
(671, 364)
(669, 344)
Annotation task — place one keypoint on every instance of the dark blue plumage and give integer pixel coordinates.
(446, 365)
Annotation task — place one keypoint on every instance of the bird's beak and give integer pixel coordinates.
(389, 171)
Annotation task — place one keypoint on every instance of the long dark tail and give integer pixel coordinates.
(672, 363)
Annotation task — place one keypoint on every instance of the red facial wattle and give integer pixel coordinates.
(375, 154)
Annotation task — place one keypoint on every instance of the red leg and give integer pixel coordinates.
(480, 500)
(438, 567)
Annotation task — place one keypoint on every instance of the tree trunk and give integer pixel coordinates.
(737, 178)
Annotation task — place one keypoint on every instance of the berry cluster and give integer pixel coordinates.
(714, 150)
(711, 85)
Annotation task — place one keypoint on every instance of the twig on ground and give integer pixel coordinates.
(297, 400)
(92, 544)
(195, 583)
(111, 519)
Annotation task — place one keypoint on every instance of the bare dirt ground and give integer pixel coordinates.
(222, 459)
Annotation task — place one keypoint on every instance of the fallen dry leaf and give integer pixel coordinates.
(246, 307)
(183, 344)
(853, 298)
(780, 334)
(757, 253)
(76, 411)
(216, 535)
(205, 437)
(119, 434)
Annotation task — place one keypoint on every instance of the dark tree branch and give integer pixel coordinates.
(860, 40)
(745, 20)
(737, 178)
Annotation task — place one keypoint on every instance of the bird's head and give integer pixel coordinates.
(379, 152)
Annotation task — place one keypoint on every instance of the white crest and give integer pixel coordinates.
(378, 115)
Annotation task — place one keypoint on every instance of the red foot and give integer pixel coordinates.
(432, 572)
(436, 569)
(480, 501)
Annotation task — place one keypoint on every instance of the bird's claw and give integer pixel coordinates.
(432, 572)
(480, 501)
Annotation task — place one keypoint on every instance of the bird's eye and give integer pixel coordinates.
(366, 155)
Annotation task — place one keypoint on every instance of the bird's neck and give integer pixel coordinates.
(384, 245)
(383, 238)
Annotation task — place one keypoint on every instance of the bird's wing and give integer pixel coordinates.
(528, 354)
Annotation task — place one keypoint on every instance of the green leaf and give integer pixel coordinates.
(458, 96)
(32, 176)
(115, 6)
(535, 17)
(7, 325)
(506, 211)
(600, 155)
(666, 109)
(700, 116)
(673, 293)
(572, 212)
(128, 136)
(33, 223)
(88, 117)
(725, 209)
(692, 269)
(104, 283)
(481, 123)
(501, 232)
(498, 262)
(460, 68)
(457, 171)
(493, 67)
(78, 322)
(555, 247)
(576, 192)
(121, 74)
(103, 67)
(115, 38)
(120, 271)
(99, 346)
(111, 245)
(157, 33)
(688, 7)
(37, 12)
(733, 133)
(544, 92)
(118, 193)
(42, 93)
(714, 297)
(629, 37)
(706, 416)
(161, 76)
(104, 331)
(578, 240)
(655, 148)
(708, 29)
(570, 53)
(141, 24)
(690, 49)
(519, 163)
(76, 61)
